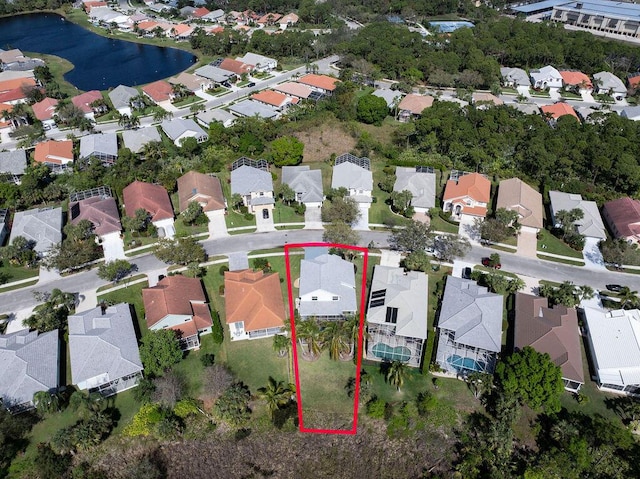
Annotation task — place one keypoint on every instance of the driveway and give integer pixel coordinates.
(527, 243)
(313, 219)
(217, 224)
(592, 256)
(467, 228)
(113, 247)
(264, 224)
(363, 222)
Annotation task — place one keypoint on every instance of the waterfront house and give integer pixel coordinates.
(160, 92)
(121, 97)
(623, 218)
(421, 182)
(466, 194)
(191, 82)
(154, 199)
(43, 226)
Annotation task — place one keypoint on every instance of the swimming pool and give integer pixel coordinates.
(468, 364)
(384, 351)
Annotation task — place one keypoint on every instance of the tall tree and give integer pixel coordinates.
(159, 351)
(416, 236)
(276, 394)
(396, 374)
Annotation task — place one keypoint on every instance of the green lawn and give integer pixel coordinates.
(286, 214)
(134, 242)
(235, 220)
(131, 295)
(58, 67)
(434, 277)
(190, 369)
(183, 229)
(254, 361)
(438, 224)
(556, 246)
(189, 100)
(570, 95)
(16, 273)
(212, 282)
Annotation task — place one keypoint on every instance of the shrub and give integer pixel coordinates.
(207, 359)
(216, 331)
(221, 290)
(426, 402)
(223, 269)
(376, 408)
(248, 216)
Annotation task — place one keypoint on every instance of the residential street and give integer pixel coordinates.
(15, 300)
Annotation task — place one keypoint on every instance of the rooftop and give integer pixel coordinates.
(515, 195)
(332, 275)
(149, 197)
(205, 189)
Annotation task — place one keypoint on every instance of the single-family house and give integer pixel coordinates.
(590, 225)
(178, 303)
(421, 182)
(515, 195)
(255, 185)
(391, 97)
(179, 129)
(86, 103)
(216, 74)
(268, 19)
(102, 212)
(576, 81)
(12, 90)
(467, 194)
(13, 164)
(307, 184)
(274, 99)
(214, 16)
(40, 225)
(236, 67)
(606, 83)
(631, 113)
(121, 97)
(253, 304)
(469, 328)
(555, 111)
(484, 99)
(206, 190)
(354, 174)
(295, 90)
(623, 218)
(514, 77)
(101, 146)
(180, 31)
(288, 20)
(633, 80)
(327, 286)
(187, 12)
(200, 12)
(44, 111)
(260, 62)
(205, 118)
(136, 140)
(159, 92)
(57, 155)
(412, 106)
(553, 331)
(546, 77)
(30, 364)
(103, 350)
(250, 108)
(526, 108)
(397, 315)
(155, 200)
(191, 82)
(614, 346)
(322, 83)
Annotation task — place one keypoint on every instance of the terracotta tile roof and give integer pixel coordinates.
(214, 30)
(623, 216)
(255, 298)
(204, 189)
(274, 98)
(559, 109)
(147, 25)
(323, 82)
(633, 80)
(484, 97)
(514, 194)
(289, 18)
(294, 89)
(84, 100)
(149, 197)
(102, 212)
(12, 95)
(45, 109)
(158, 91)
(235, 66)
(269, 18)
(200, 12)
(56, 152)
(550, 330)
(16, 84)
(473, 185)
(181, 29)
(178, 295)
(573, 78)
(415, 103)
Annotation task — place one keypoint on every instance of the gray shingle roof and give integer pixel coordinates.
(472, 313)
(121, 95)
(351, 176)
(29, 363)
(608, 81)
(215, 74)
(13, 162)
(246, 180)
(332, 274)
(390, 96)
(103, 347)
(99, 144)
(179, 126)
(253, 108)
(307, 183)
(516, 75)
(631, 112)
(256, 59)
(591, 224)
(421, 185)
(405, 291)
(222, 116)
(136, 140)
(44, 226)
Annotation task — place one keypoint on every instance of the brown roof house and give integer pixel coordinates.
(515, 195)
(553, 331)
(103, 213)
(254, 304)
(322, 83)
(412, 106)
(206, 190)
(467, 194)
(159, 91)
(178, 303)
(623, 218)
(155, 200)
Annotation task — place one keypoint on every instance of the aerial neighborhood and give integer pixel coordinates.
(315, 227)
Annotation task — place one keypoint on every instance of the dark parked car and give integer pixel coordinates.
(466, 273)
(251, 84)
(265, 213)
(616, 288)
(487, 262)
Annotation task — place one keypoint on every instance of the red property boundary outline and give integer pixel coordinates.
(356, 397)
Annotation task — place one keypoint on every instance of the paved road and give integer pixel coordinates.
(23, 298)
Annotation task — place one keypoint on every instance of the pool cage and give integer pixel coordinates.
(384, 345)
(462, 359)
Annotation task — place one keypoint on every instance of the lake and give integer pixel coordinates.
(99, 62)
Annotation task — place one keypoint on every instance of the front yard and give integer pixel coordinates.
(550, 244)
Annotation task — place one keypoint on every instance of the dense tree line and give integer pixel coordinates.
(8, 7)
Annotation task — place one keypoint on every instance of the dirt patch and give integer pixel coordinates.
(321, 141)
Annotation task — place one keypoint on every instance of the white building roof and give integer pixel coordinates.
(615, 341)
(99, 143)
(44, 226)
(136, 139)
(545, 73)
(257, 60)
(591, 224)
(327, 273)
(390, 96)
(421, 185)
(351, 176)
(608, 81)
(515, 75)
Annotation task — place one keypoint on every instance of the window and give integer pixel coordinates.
(377, 298)
(262, 193)
(314, 298)
(335, 298)
(392, 315)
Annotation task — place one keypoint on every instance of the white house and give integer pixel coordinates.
(607, 83)
(546, 77)
(307, 184)
(255, 185)
(179, 129)
(421, 184)
(261, 63)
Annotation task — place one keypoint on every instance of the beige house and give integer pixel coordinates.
(515, 195)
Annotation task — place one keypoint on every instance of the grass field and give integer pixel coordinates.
(286, 214)
(320, 143)
(556, 246)
(17, 273)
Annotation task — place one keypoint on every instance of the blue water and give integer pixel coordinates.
(100, 62)
(384, 351)
(460, 363)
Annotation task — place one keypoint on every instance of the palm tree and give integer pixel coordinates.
(334, 335)
(396, 373)
(628, 298)
(281, 345)
(277, 394)
(45, 402)
(308, 333)
(134, 121)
